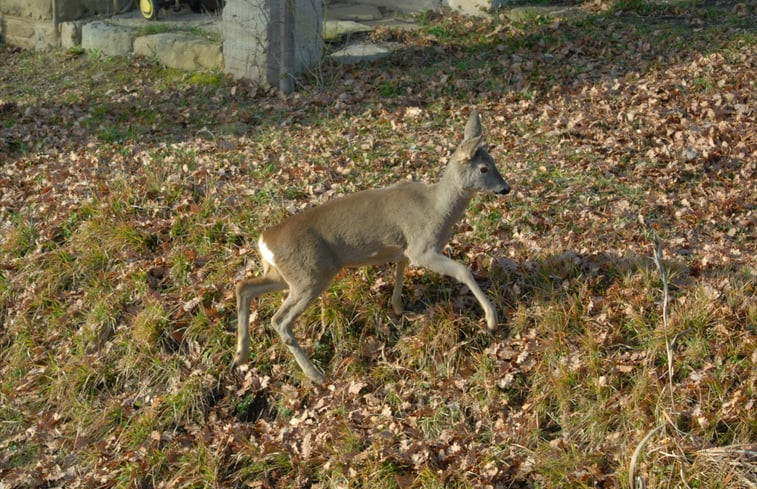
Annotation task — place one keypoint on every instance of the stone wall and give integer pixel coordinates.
(34, 23)
(28, 23)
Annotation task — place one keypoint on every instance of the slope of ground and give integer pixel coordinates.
(131, 197)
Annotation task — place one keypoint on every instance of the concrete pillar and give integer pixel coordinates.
(252, 38)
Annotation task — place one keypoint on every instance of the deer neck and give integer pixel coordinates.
(451, 198)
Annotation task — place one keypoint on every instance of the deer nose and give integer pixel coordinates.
(505, 190)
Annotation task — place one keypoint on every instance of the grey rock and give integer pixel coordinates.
(361, 52)
(111, 39)
(334, 29)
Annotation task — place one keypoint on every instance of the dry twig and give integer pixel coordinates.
(665, 302)
(739, 460)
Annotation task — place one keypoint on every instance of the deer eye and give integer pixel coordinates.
(483, 169)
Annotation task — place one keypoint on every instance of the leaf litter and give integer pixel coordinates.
(128, 207)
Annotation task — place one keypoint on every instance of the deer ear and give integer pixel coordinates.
(467, 149)
(473, 127)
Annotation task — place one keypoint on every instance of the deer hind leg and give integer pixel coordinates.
(397, 293)
(295, 304)
(246, 290)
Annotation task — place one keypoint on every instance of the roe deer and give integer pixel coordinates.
(408, 222)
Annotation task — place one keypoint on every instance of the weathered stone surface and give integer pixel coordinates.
(252, 44)
(31, 9)
(70, 34)
(361, 52)
(181, 51)
(65, 9)
(355, 12)
(111, 39)
(334, 29)
(174, 21)
(28, 33)
(20, 28)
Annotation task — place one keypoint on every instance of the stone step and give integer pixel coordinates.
(181, 51)
(113, 40)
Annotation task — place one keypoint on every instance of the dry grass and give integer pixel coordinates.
(133, 196)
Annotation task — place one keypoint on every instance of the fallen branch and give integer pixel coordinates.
(657, 256)
(632, 483)
(665, 302)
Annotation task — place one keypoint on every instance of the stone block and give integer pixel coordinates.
(19, 28)
(361, 52)
(111, 39)
(28, 33)
(181, 51)
(28, 9)
(70, 34)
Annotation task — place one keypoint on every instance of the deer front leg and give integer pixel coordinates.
(439, 263)
(397, 293)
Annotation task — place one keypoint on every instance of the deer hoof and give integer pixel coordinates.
(239, 360)
(491, 326)
(315, 376)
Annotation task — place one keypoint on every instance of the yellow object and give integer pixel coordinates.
(147, 7)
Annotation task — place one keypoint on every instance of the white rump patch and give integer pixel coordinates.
(265, 251)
